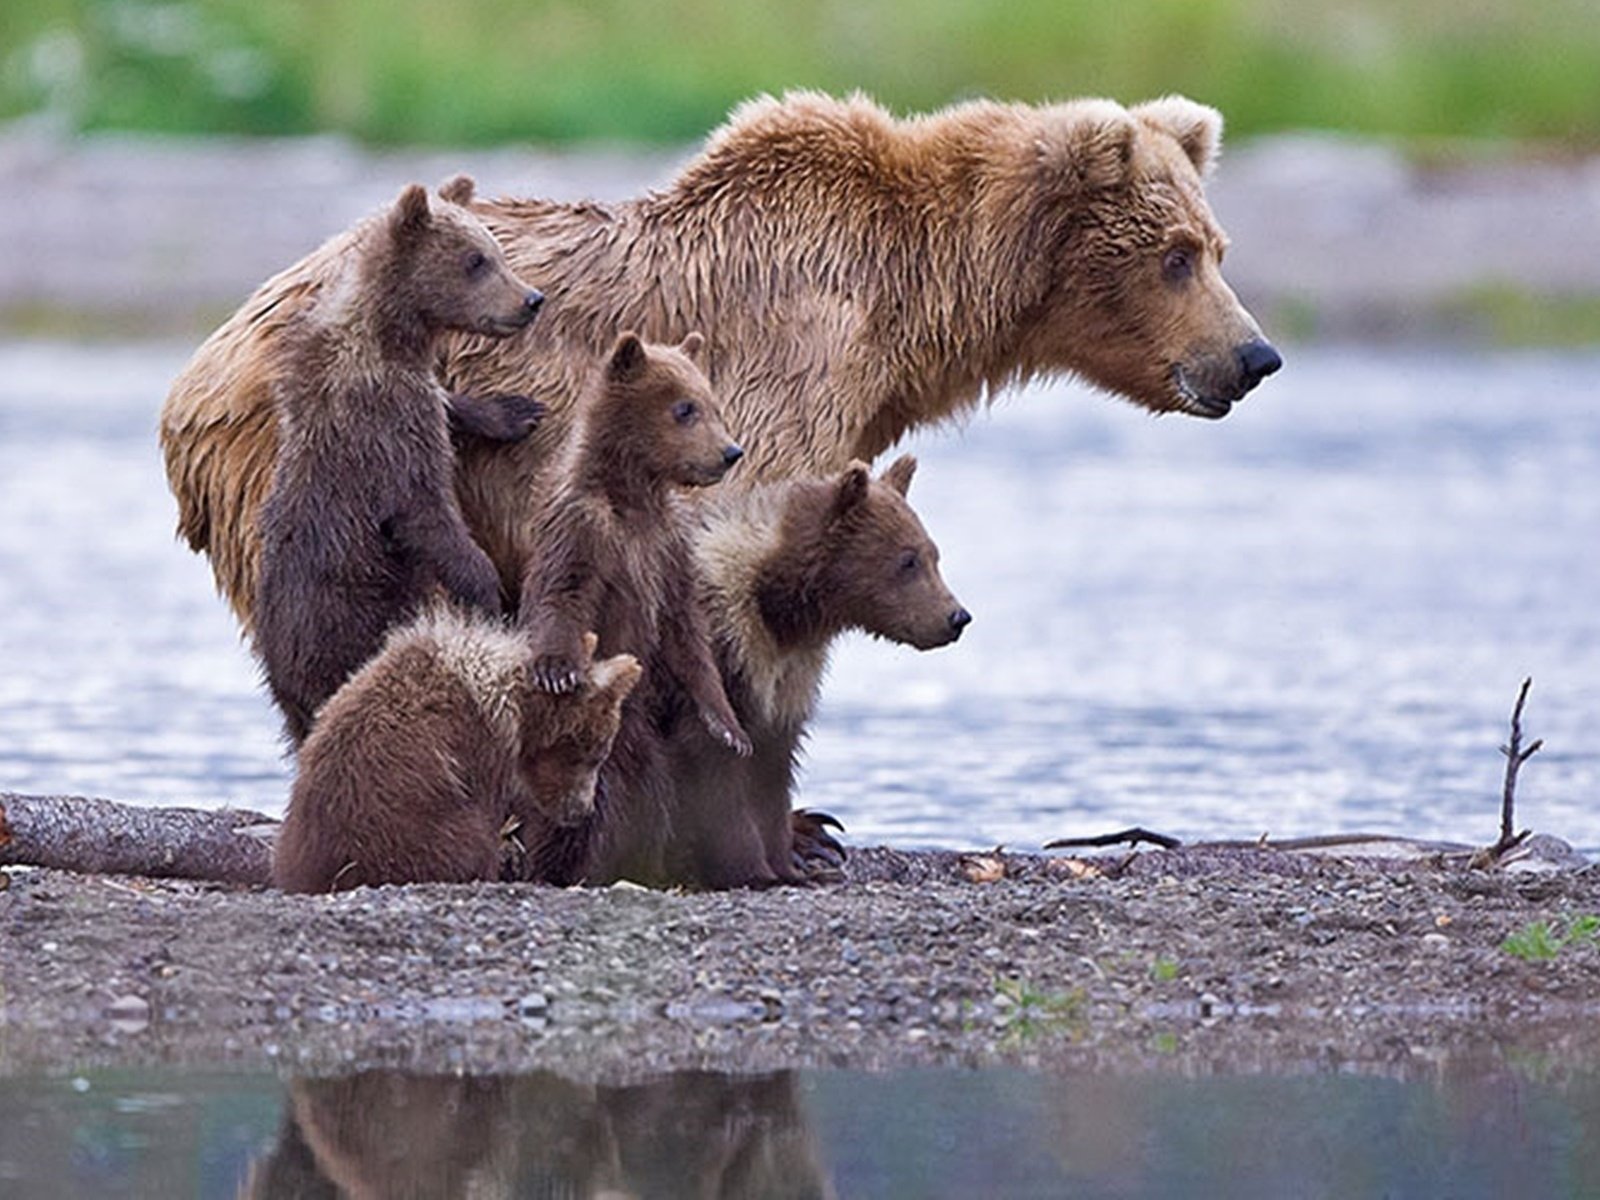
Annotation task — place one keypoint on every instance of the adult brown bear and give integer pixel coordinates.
(855, 276)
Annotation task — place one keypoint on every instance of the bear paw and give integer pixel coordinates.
(496, 418)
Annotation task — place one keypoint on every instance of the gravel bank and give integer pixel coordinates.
(1221, 960)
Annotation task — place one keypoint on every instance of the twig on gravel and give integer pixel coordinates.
(1131, 836)
(1515, 757)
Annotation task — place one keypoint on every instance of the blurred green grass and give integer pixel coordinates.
(485, 71)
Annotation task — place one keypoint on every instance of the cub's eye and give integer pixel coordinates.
(909, 562)
(476, 262)
(684, 411)
(1177, 264)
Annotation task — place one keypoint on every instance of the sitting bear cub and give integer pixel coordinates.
(429, 765)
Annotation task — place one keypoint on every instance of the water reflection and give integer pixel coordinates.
(392, 1134)
(1492, 1125)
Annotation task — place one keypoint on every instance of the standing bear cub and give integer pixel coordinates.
(439, 754)
(360, 523)
(614, 557)
(614, 551)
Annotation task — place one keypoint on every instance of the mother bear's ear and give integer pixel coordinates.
(1089, 142)
(1197, 128)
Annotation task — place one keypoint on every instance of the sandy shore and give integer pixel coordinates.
(1207, 961)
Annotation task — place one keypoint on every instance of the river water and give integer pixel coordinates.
(1310, 617)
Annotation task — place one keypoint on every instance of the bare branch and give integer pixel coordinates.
(1515, 757)
(1131, 836)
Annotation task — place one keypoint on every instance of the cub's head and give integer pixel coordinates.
(1134, 299)
(566, 737)
(659, 408)
(446, 267)
(866, 561)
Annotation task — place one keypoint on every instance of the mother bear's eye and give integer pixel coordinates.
(1177, 264)
(909, 562)
(683, 411)
(476, 261)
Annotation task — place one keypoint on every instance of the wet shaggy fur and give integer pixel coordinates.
(438, 758)
(361, 523)
(785, 573)
(856, 275)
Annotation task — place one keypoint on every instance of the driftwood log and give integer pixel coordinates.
(91, 836)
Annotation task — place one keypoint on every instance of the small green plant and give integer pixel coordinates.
(1024, 1011)
(1164, 969)
(1539, 941)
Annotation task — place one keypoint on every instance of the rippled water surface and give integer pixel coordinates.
(1312, 616)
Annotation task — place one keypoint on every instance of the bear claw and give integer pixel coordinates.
(816, 853)
(556, 675)
(730, 735)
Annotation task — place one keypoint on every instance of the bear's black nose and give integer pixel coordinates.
(1257, 360)
(959, 620)
(731, 454)
(533, 300)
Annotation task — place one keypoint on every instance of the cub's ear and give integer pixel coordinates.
(1197, 128)
(1089, 142)
(627, 357)
(613, 678)
(850, 492)
(591, 639)
(900, 471)
(690, 346)
(458, 189)
(408, 219)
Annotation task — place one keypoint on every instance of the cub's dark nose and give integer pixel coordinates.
(1257, 360)
(959, 620)
(731, 454)
(532, 301)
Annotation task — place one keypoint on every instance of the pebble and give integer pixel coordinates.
(129, 1014)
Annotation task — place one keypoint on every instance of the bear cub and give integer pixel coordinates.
(785, 572)
(613, 552)
(360, 524)
(438, 753)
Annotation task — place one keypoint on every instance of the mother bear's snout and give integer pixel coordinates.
(1257, 359)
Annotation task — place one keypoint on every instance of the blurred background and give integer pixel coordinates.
(477, 72)
(1429, 170)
